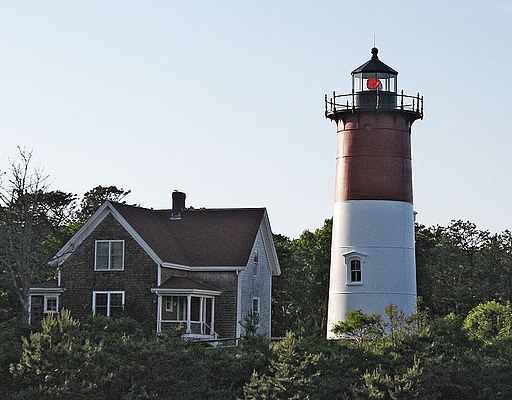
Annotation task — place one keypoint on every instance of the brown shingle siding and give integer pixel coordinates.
(79, 278)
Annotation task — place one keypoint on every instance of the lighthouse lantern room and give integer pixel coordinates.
(372, 255)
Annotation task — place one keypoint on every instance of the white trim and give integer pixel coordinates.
(109, 241)
(239, 305)
(108, 293)
(29, 308)
(204, 268)
(39, 291)
(354, 256)
(82, 234)
(45, 304)
(268, 243)
(135, 235)
(159, 314)
(199, 292)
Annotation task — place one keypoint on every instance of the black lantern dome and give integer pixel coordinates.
(372, 77)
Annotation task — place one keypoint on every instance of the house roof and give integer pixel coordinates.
(202, 237)
(178, 282)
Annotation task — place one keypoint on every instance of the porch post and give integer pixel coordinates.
(201, 314)
(189, 309)
(30, 309)
(212, 330)
(159, 314)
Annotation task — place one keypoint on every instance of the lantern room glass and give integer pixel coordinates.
(387, 82)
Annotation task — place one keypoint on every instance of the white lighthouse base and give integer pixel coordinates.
(380, 234)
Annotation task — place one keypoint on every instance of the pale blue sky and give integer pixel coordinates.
(224, 99)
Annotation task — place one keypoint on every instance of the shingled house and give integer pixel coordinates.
(204, 269)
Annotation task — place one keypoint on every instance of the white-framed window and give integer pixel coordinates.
(355, 272)
(255, 262)
(51, 304)
(109, 255)
(255, 309)
(109, 303)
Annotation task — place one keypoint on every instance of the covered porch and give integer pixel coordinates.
(183, 302)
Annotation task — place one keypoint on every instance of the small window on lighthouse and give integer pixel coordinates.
(355, 271)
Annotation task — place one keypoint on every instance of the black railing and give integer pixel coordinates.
(384, 101)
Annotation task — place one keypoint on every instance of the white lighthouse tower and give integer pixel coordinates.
(372, 257)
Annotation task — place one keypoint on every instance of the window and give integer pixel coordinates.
(107, 303)
(169, 304)
(51, 304)
(255, 310)
(355, 275)
(255, 262)
(109, 255)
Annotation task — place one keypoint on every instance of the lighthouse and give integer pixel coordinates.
(372, 255)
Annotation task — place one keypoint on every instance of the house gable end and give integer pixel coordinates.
(94, 221)
(268, 243)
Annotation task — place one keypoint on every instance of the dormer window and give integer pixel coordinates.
(109, 255)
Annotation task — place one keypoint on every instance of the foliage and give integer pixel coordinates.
(31, 227)
(489, 321)
(293, 374)
(95, 198)
(300, 293)
(460, 266)
(380, 385)
(360, 327)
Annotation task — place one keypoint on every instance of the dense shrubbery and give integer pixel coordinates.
(441, 358)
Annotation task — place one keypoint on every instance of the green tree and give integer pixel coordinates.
(360, 327)
(453, 271)
(95, 197)
(380, 385)
(301, 293)
(489, 321)
(293, 374)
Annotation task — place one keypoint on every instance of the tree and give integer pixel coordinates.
(489, 321)
(95, 198)
(293, 374)
(453, 269)
(380, 385)
(31, 221)
(301, 292)
(360, 327)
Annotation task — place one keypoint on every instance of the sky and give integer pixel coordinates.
(224, 100)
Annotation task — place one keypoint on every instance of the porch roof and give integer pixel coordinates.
(51, 286)
(182, 285)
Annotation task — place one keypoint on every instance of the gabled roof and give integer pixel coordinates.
(200, 238)
(204, 237)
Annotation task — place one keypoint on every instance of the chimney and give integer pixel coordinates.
(178, 204)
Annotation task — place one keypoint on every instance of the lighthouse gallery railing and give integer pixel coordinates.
(348, 102)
